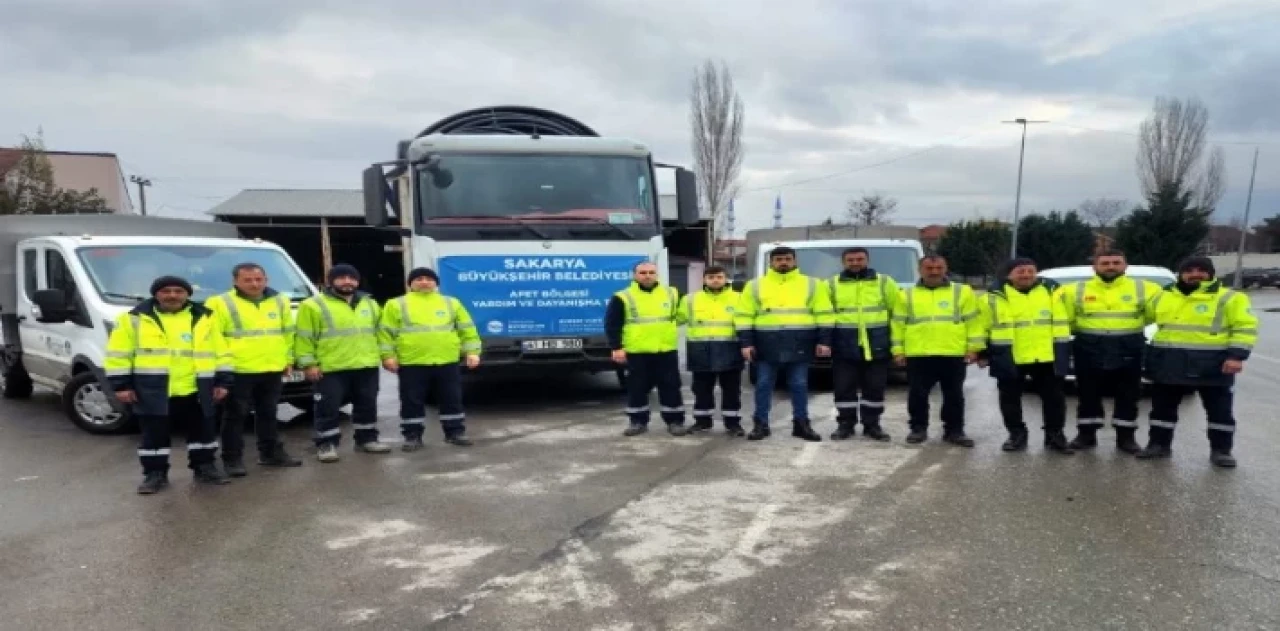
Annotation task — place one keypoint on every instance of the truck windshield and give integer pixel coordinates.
(123, 274)
(535, 188)
(899, 263)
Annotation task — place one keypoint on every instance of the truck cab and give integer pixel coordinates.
(60, 297)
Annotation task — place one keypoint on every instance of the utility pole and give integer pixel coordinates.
(142, 182)
(1017, 200)
(1244, 226)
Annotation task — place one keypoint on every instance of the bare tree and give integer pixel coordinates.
(715, 114)
(1172, 157)
(871, 210)
(1102, 212)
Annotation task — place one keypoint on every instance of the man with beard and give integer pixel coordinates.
(1205, 332)
(1107, 318)
(864, 301)
(783, 319)
(336, 345)
(167, 360)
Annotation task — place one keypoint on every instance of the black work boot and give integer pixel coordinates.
(874, 432)
(209, 474)
(1155, 450)
(1057, 441)
(759, 432)
(918, 436)
(676, 429)
(635, 429)
(1086, 438)
(957, 438)
(458, 439)
(844, 431)
(1017, 441)
(802, 429)
(234, 466)
(700, 425)
(278, 457)
(1125, 440)
(734, 430)
(152, 482)
(1221, 458)
(411, 443)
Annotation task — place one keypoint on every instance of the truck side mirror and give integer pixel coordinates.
(51, 306)
(686, 198)
(375, 197)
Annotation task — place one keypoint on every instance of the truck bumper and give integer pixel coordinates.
(506, 355)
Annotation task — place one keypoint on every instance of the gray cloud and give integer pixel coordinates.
(232, 94)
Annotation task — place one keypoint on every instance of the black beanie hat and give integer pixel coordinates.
(342, 269)
(1198, 262)
(419, 272)
(170, 281)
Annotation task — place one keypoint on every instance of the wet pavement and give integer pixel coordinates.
(555, 521)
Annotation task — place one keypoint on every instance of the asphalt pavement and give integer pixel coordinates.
(554, 520)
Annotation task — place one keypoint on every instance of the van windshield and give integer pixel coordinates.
(899, 263)
(123, 274)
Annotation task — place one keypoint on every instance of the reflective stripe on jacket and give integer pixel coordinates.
(1107, 320)
(336, 335)
(712, 340)
(1196, 333)
(426, 329)
(1025, 328)
(784, 317)
(650, 324)
(158, 362)
(259, 334)
(862, 310)
(940, 321)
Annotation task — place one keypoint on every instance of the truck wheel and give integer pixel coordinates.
(85, 403)
(15, 383)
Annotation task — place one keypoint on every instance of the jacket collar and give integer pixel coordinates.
(946, 282)
(356, 298)
(866, 274)
(150, 307)
(1003, 287)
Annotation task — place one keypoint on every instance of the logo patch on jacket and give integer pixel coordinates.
(1202, 308)
(1045, 313)
(186, 337)
(273, 315)
(1127, 298)
(440, 314)
(364, 312)
(944, 304)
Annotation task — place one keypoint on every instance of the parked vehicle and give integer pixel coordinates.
(898, 258)
(65, 279)
(533, 221)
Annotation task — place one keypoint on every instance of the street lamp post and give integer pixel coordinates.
(1017, 200)
(1244, 227)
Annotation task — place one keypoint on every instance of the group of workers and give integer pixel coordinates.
(173, 360)
(1025, 330)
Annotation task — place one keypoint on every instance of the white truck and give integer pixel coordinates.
(822, 259)
(533, 221)
(64, 279)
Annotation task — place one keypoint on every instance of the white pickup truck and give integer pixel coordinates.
(64, 279)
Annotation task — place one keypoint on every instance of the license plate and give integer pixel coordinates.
(297, 376)
(551, 345)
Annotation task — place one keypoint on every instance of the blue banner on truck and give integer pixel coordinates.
(538, 296)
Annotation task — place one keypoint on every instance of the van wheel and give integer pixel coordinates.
(85, 403)
(15, 383)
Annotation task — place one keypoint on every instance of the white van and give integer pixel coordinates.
(64, 279)
(823, 259)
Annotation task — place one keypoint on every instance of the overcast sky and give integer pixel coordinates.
(208, 98)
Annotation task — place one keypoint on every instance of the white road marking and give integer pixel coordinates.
(759, 526)
(371, 532)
